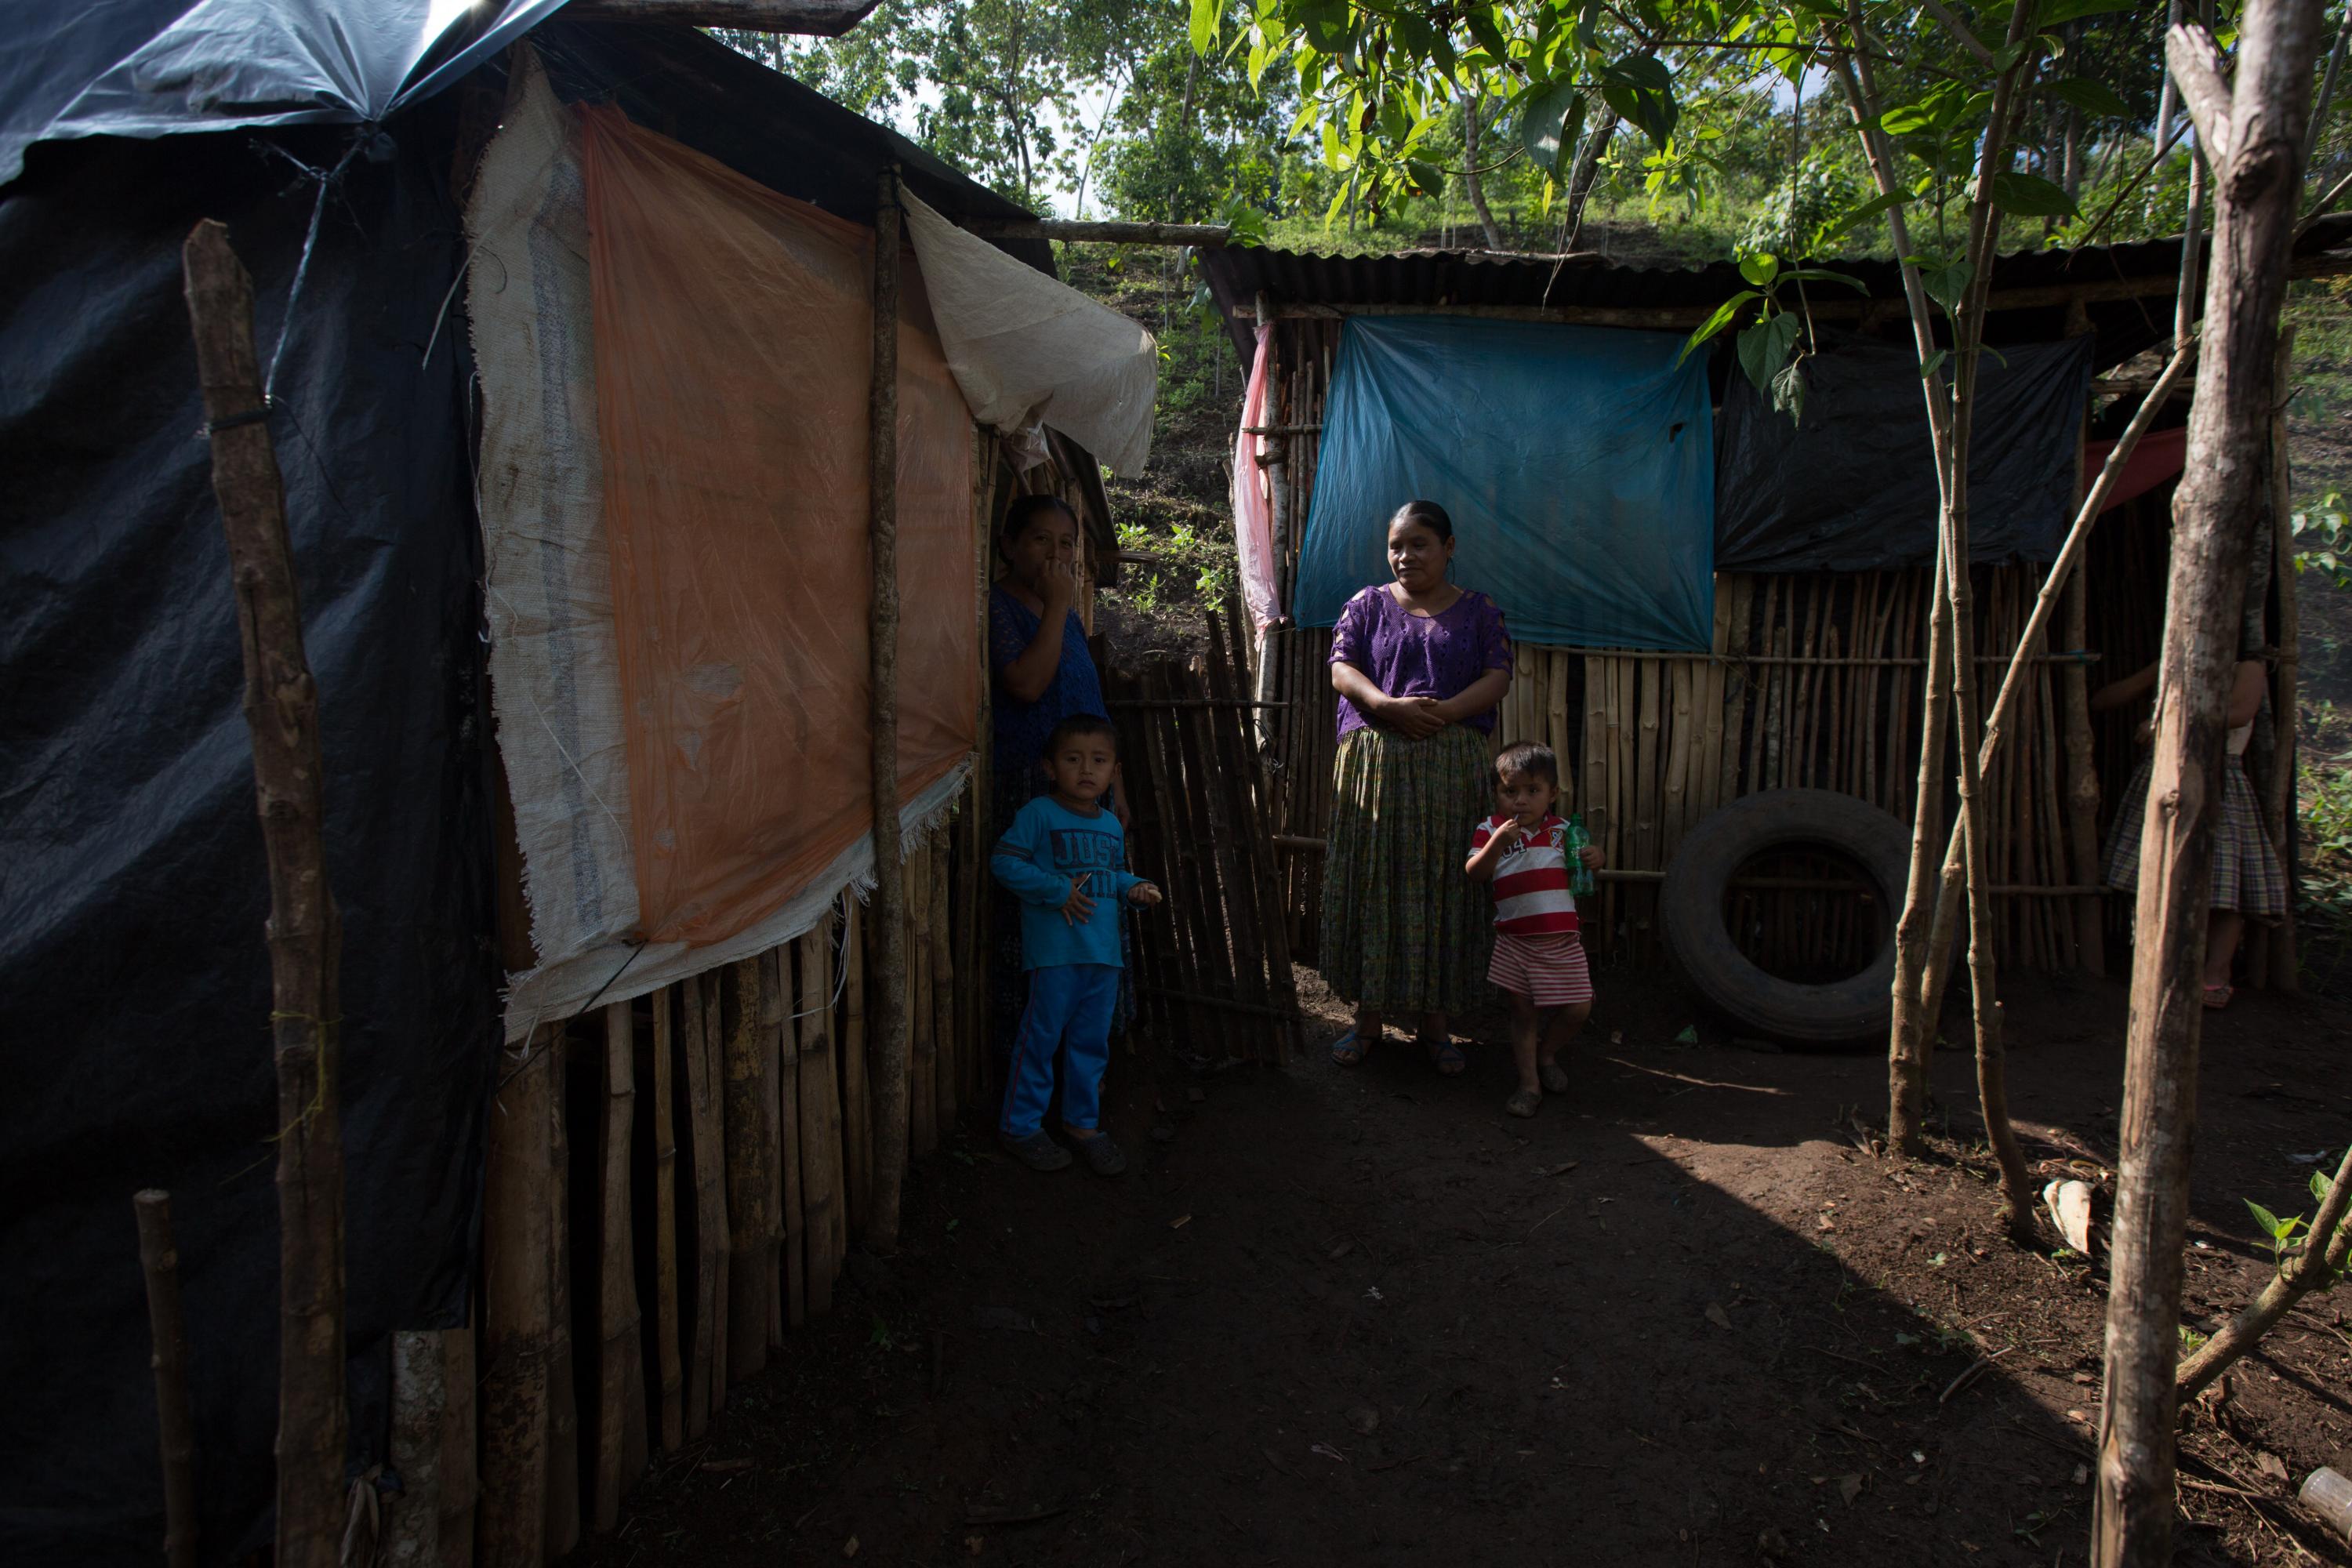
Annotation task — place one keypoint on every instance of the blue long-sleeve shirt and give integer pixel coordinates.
(1047, 845)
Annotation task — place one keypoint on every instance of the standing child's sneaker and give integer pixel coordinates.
(1036, 1150)
(1103, 1158)
(1554, 1076)
(1523, 1103)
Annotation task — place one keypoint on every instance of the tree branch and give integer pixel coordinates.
(2195, 61)
(1958, 29)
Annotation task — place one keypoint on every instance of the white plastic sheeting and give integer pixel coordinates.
(1028, 349)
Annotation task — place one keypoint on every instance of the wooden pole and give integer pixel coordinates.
(922, 1056)
(856, 1112)
(819, 1141)
(751, 1244)
(2215, 516)
(707, 1205)
(420, 1401)
(620, 1351)
(891, 1018)
(517, 1249)
(174, 1415)
(943, 992)
(663, 1133)
(785, 1188)
(304, 931)
(563, 1462)
(715, 1228)
(460, 1448)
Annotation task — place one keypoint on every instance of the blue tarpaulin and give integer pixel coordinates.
(1578, 463)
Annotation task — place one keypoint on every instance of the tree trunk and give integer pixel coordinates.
(2257, 153)
(305, 932)
(1984, 231)
(1473, 180)
(175, 1420)
(1582, 178)
(890, 1020)
(1912, 1034)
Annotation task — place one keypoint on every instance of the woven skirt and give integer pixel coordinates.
(2247, 876)
(1403, 930)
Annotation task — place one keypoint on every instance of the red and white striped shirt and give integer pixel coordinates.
(1531, 896)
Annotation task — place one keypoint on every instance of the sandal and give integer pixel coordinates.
(2218, 996)
(1555, 1077)
(1523, 1103)
(1103, 1157)
(1350, 1049)
(1446, 1057)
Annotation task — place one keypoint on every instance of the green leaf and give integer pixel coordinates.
(2267, 1220)
(2093, 97)
(1645, 71)
(1489, 35)
(1549, 123)
(1948, 285)
(1427, 178)
(1789, 396)
(1822, 274)
(1204, 25)
(1934, 363)
(1862, 214)
(2060, 12)
(2319, 1187)
(1760, 269)
(1724, 315)
(1905, 119)
(2031, 195)
(1764, 348)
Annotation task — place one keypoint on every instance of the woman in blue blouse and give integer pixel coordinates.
(1043, 673)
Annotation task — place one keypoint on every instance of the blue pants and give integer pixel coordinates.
(1069, 1014)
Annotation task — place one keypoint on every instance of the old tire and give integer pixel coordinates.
(1691, 906)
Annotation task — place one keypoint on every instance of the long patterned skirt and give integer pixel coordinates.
(1403, 930)
(2247, 876)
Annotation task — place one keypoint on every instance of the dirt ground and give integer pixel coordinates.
(1684, 1317)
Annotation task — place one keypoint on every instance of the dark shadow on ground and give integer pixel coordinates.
(1682, 1317)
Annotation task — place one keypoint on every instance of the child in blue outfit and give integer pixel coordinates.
(1065, 858)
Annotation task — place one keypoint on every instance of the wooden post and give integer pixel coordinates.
(822, 1234)
(459, 1447)
(750, 1148)
(702, 1178)
(2254, 137)
(856, 1112)
(175, 1417)
(663, 1134)
(715, 1226)
(517, 1250)
(563, 1386)
(945, 1066)
(776, 989)
(304, 931)
(420, 1402)
(922, 1058)
(620, 1351)
(890, 1012)
(2083, 781)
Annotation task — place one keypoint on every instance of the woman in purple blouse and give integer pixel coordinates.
(1419, 665)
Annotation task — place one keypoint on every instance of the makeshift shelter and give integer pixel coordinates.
(1709, 599)
(567, 327)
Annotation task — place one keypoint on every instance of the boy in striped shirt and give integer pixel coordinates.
(1539, 956)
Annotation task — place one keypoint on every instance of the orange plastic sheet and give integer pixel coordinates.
(733, 358)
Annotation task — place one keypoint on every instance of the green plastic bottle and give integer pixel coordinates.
(1580, 875)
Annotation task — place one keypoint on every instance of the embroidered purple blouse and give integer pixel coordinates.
(1406, 654)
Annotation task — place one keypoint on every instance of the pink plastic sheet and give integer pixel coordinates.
(1253, 510)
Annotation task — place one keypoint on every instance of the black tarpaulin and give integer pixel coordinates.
(1851, 487)
(133, 891)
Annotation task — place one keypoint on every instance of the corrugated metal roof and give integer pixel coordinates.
(1238, 275)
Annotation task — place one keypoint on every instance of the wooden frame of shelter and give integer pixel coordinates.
(1809, 678)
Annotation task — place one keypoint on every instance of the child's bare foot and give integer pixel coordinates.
(1523, 1102)
(1555, 1077)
